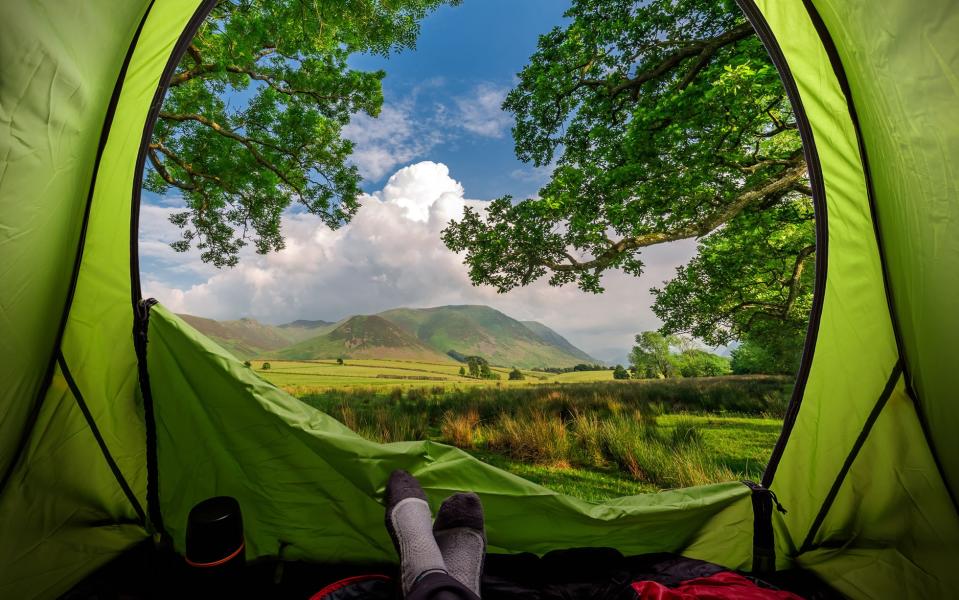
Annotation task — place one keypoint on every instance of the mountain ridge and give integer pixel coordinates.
(401, 333)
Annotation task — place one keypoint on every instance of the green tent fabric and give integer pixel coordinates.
(116, 417)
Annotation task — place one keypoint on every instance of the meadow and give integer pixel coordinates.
(307, 376)
(580, 433)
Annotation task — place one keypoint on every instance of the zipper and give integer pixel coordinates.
(764, 539)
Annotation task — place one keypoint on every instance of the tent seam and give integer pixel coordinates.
(141, 309)
(894, 377)
(78, 257)
(91, 423)
(814, 166)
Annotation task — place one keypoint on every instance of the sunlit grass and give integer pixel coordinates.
(594, 441)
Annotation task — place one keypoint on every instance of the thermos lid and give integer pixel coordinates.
(214, 532)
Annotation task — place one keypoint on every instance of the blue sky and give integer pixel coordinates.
(442, 142)
(479, 45)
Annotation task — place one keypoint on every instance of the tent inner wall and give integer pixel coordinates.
(56, 86)
(76, 496)
(902, 64)
(860, 514)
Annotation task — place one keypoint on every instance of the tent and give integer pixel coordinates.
(116, 416)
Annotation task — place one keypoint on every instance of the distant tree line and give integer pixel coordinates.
(579, 367)
(476, 366)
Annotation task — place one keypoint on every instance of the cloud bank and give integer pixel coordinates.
(390, 255)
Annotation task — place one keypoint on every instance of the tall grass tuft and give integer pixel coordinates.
(460, 429)
(533, 436)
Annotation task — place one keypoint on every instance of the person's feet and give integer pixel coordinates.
(408, 521)
(460, 534)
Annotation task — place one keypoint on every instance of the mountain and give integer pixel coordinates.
(363, 337)
(551, 337)
(306, 325)
(424, 334)
(248, 338)
(486, 332)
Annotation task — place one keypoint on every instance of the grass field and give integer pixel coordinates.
(581, 433)
(305, 376)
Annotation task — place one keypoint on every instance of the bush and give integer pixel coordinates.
(699, 363)
(620, 373)
(339, 361)
(516, 375)
(265, 366)
(247, 364)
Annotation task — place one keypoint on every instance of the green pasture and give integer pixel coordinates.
(304, 376)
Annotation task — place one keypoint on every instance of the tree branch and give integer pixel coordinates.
(278, 84)
(693, 230)
(798, 267)
(249, 143)
(704, 49)
(162, 170)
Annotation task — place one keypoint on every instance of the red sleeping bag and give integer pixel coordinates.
(721, 586)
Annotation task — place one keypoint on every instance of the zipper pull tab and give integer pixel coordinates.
(779, 506)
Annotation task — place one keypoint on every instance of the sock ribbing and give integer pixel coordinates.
(461, 538)
(419, 552)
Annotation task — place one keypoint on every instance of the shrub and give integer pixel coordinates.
(699, 363)
(620, 373)
(265, 366)
(516, 375)
(247, 364)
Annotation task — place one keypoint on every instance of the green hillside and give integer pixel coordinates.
(486, 332)
(363, 337)
(425, 334)
(248, 338)
(555, 339)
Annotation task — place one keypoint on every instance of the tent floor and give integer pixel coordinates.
(145, 573)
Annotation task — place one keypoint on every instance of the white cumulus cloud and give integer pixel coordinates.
(390, 255)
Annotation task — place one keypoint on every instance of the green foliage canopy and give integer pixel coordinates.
(254, 116)
(699, 363)
(664, 120)
(651, 357)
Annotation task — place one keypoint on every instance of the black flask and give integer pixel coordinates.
(215, 548)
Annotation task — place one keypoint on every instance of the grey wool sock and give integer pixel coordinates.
(408, 520)
(461, 537)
